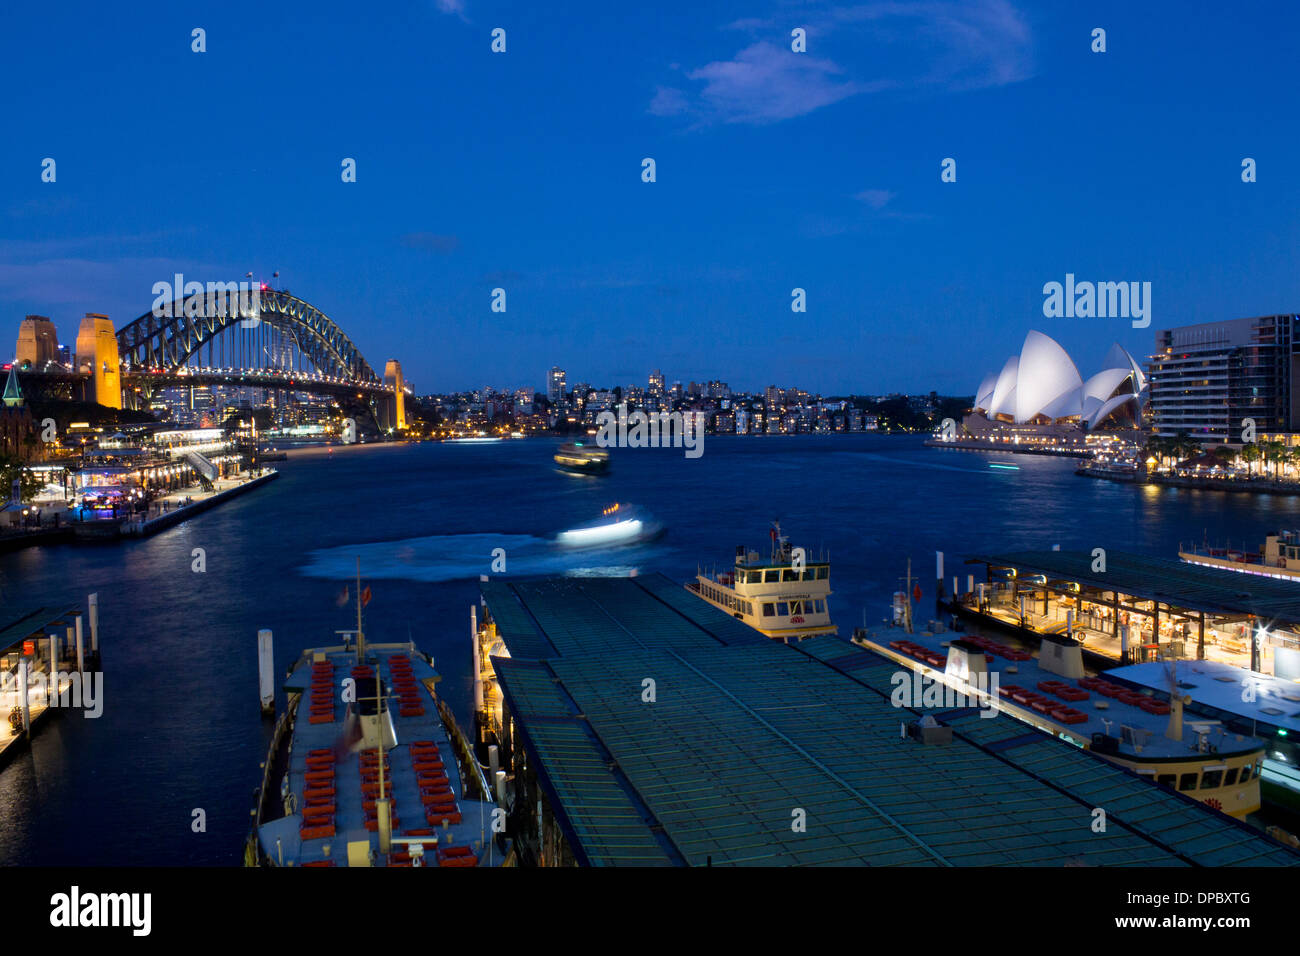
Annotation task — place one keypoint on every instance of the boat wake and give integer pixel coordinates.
(455, 557)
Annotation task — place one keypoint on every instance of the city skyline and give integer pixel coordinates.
(775, 170)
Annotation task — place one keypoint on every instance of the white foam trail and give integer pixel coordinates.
(458, 557)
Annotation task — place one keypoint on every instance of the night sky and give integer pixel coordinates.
(775, 170)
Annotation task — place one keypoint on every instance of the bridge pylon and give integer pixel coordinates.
(392, 411)
(97, 354)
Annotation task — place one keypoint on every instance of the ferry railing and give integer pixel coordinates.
(464, 751)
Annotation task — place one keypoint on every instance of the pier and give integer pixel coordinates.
(169, 511)
(1129, 608)
(46, 656)
(745, 751)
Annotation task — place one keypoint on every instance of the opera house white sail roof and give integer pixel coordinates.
(1042, 384)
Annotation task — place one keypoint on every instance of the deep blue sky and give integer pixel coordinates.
(775, 170)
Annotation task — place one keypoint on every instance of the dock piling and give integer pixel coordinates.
(94, 623)
(266, 671)
(81, 647)
(22, 696)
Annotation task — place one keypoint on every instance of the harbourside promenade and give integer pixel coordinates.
(1255, 485)
(163, 513)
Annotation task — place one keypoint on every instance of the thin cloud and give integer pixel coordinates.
(454, 7)
(875, 198)
(763, 83)
(431, 242)
(930, 44)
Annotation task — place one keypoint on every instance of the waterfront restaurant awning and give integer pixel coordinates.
(1166, 580)
(745, 738)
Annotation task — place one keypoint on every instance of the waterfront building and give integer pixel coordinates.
(1207, 379)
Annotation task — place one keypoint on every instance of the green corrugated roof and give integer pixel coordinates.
(742, 735)
(1167, 580)
(21, 625)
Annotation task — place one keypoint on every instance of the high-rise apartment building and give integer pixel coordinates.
(1208, 379)
(555, 385)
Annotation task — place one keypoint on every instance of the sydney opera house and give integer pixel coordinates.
(1040, 392)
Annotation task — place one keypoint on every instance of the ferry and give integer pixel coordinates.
(367, 767)
(783, 598)
(1278, 558)
(582, 458)
(1143, 731)
(618, 525)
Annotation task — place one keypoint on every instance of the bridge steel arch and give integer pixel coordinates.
(167, 341)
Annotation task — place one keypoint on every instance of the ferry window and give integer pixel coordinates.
(754, 577)
(769, 610)
(796, 607)
(1230, 776)
(1187, 782)
(749, 609)
(771, 576)
(1211, 779)
(823, 572)
(789, 574)
(1245, 773)
(782, 609)
(1167, 779)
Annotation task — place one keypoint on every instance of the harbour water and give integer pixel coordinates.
(180, 731)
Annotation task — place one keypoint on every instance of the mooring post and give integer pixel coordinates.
(94, 623)
(22, 697)
(266, 671)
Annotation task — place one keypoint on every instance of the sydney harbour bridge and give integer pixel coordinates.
(278, 342)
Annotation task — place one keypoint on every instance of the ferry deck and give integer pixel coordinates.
(1214, 763)
(333, 789)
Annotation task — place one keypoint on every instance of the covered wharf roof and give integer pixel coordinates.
(746, 738)
(1167, 580)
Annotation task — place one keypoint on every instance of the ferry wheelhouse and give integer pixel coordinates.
(783, 597)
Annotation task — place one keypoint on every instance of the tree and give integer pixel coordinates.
(12, 467)
(1250, 454)
(1226, 456)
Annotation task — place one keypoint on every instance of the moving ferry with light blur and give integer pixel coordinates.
(582, 459)
(618, 525)
(783, 598)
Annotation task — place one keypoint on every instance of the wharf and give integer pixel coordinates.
(32, 635)
(138, 527)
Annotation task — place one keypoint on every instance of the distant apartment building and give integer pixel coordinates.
(655, 386)
(1208, 379)
(555, 385)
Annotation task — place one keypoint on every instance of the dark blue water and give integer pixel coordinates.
(181, 729)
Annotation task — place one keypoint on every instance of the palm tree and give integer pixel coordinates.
(1250, 454)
